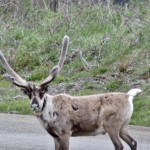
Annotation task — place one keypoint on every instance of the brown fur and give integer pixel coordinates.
(85, 115)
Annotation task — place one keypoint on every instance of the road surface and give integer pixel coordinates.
(21, 132)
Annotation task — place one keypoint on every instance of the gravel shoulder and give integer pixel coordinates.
(22, 132)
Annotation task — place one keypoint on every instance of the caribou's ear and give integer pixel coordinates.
(43, 90)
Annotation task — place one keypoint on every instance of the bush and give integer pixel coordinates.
(99, 70)
(26, 60)
(39, 73)
(114, 85)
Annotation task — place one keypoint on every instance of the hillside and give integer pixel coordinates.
(109, 51)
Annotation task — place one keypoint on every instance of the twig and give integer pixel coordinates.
(19, 97)
(45, 5)
(84, 62)
(104, 41)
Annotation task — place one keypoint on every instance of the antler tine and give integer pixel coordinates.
(56, 69)
(63, 51)
(13, 76)
(10, 78)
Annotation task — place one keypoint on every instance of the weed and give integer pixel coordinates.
(39, 73)
(123, 66)
(114, 85)
(98, 70)
(27, 60)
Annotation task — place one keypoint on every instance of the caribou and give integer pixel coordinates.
(64, 115)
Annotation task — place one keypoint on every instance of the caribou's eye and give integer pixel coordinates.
(26, 92)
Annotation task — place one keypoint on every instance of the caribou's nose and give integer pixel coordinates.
(34, 104)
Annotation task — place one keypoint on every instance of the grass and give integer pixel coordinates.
(99, 70)
(141, 115)
(114, 41)
(16, 106)
(114, 85)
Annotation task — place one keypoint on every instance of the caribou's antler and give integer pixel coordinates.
(18, 81)
(58, 67)
(12, 76)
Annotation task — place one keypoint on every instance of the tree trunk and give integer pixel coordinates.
(54, 5)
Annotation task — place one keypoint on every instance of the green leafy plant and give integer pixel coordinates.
(114, 85)
(99, 70)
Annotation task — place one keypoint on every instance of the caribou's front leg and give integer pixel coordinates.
(57, 143)
(62, 143)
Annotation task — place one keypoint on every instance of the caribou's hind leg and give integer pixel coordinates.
(127, 138)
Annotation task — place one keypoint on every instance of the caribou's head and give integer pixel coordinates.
(35, 93)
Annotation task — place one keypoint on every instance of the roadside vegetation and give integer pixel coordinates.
(109, 51)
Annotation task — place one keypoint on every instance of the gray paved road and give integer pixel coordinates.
(19, 132)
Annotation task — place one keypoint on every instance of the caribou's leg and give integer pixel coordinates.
(115, 139)
(62, 143)
(57, 143)
(112, 128)
(127, 138)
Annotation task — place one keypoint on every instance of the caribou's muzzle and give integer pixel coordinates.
(35, 105)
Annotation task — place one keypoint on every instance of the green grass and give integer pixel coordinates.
(98, 71)
(114, 85)
(141, 115)
(115, 43)
(18, 106)
(4, 83)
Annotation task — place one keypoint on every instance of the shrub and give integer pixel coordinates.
(114, 85)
